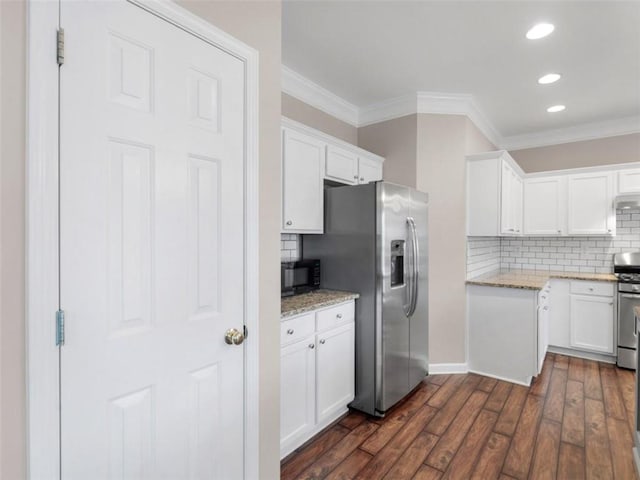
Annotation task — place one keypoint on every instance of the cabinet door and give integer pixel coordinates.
(516, 199)
(335, 371)
(629, 181)
(341, 165)
(297, 392)
(544, 206)
(302, 186)
(559, 314)
(369, 170)
(592, 323)
(511, 201)
(590, 204)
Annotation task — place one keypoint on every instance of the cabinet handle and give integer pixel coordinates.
(312, 346)
(591, 289)
(559, 231)
(339, 315)
(611, 303)
(609, 231)
(289, 222)
(355, 177)
(290, 331)
(362, 179)
(322, 341)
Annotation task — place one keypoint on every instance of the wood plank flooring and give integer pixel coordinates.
(574, 422)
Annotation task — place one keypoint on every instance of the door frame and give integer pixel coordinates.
(42, 259)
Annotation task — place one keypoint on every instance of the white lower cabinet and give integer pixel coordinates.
(334, 382)
(317, 372)
(583, 316)
(297, 390)
(592, 323)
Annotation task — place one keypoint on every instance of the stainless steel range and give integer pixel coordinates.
(626, 267)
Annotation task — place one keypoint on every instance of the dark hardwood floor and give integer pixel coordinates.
(573, 422)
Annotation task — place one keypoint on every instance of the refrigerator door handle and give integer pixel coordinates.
(408, 272)
(415, 252)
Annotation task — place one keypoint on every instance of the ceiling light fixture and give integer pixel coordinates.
(540, 30)
(556, 108)
(549, 78)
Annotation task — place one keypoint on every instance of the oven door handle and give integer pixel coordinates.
(629, 295)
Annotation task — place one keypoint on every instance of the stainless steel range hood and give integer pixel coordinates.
(627, 201)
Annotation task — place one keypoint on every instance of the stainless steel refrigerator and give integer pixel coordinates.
(375, 243)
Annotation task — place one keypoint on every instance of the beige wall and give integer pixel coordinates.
(304, 113)
(588, 153)
(396, 141)
(441, 173)
(255, 23)
(12, 241)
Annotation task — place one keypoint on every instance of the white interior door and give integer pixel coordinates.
(151, 225)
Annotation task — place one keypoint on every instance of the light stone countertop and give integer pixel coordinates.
(306, 302)
(534, 279)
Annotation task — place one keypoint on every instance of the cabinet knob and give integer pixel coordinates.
(355, 177)
(339, 315)
(312, 346)
(290, 331)
(559, 231)
(546, 308)
(289, 222)
(609, 231)
(362, 179)
(322, 341)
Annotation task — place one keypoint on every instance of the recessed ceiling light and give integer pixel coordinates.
(556, 108)
(540, 30)
(549, 78)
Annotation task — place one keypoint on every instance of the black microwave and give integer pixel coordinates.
(299, 277)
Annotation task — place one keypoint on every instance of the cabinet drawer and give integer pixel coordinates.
(334, 316)
(296, 329)
(592, 288)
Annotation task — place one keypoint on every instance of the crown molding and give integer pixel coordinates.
(318, 97)
(388, 110)
(313, 94)
(588, 131)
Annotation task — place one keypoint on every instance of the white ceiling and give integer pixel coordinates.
(367, 52)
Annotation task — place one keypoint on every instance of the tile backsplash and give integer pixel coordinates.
(289, 247)
(569, 254)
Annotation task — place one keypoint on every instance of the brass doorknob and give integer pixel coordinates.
(233, 337)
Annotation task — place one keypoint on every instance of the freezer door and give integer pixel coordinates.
(392, 240)
(419, 319)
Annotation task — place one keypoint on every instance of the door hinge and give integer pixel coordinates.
(60, 48)
(60, 328)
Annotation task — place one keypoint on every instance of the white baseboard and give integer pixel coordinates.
(526, 383)
(440, 368)
(598, 357)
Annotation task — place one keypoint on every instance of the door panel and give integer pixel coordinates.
(592, 323)
(151, 141)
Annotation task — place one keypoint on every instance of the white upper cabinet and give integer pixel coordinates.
(544, 206)
(310, 157)
(629, 181)
(590, 209)
(494, 195)
(341, 165)
(302, 188)
(369, 170)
